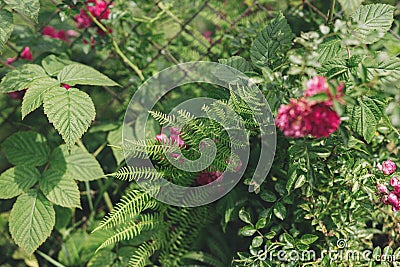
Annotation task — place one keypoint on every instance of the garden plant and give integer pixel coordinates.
(199, 133)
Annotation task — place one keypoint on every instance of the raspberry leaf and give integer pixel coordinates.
(70, 111)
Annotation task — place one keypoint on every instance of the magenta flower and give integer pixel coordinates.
(393, 180)
(393, 200)
(318, 85)
(174, 137)
(208, 177)
(98, 8)
(324, 120)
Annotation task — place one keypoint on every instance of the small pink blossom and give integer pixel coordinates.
(318, 85)
(97, 8)
(174, 137)
(26, 54)
(388, 167)
(393, 181)
(393, 200)
(382, 189)
(66, 86)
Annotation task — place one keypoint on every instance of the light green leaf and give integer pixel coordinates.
(32, 219)
(60, 188)
(386, 68)
(349, 6)
(20, 78)
(247, 230)
(280, 211)
(79, 164)
(272, 41)
(33, 97)
(53, 65)
(308, 239)
(244, 216)
(372, 22)
(70, 111)
(26, 148)
(17, 180)
(6, 27)
(28, 8)
(237, 62)
(82, 74)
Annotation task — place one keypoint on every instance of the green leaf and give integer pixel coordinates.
(280, 211)
(28, 8)
(26, 148)
(237, 62)
(365, 116)
(257, 241)
(79, 164)
(244, 216)
(31, 220)
(372, 22)
(53, 65)
(386, 68)
(70, 111)
(114, 138)
(60, 188)
(272, 41)
(268, 196)
(328, 50)
(6, 27)
(82, 74)
(308, 239)
(33, 97)
(261, 223)
(17, 180)
(247, 230)
(21, 77)
(349, 6)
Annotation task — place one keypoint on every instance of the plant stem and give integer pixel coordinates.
(116, 46)
(50, 259)
(331, 12)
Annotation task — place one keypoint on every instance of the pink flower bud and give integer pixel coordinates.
(382, 189)
(394, 181)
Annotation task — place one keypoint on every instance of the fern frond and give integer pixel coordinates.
(131, 205)
(134, 228)
(130, 173)
(141, 255)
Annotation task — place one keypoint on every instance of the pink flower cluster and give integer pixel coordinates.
(98, 8)
(59, 34)
(389, 197)
(304, 116)
(174, 137)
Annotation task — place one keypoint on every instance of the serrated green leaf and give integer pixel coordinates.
(237, 62)
(17, 180)
(81, 74)
(28, 8)
(328, 50)
(70, 111)
(273, 40)
(32, 219)
(26, 148)
(308, 239)
(364, 117)
(79, 164)
(53, 65)
(21, 77)
(60, 188)
(349, 6)
(33, 97)
(372, 22)
(280, 211)
(6, 27)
